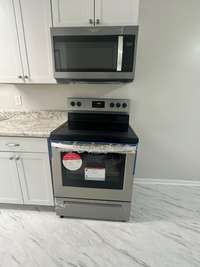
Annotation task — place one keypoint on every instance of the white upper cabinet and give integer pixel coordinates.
(11, 70)
(116, 13)
(25, 46)
(37, 60)
(95, 12)
(73, 12)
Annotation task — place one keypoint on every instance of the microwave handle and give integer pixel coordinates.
(120, 53)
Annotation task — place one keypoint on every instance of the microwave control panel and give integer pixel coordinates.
(98, 104)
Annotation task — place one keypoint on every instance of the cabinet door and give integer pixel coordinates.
(35, 22)
(73, 12)
(10, 188)
(120, 12)
(10, 61)
(35, 177)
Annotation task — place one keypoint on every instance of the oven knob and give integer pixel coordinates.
(124, 105)
(118, 105)
(79, 104)
(112, 105)
(72, 103)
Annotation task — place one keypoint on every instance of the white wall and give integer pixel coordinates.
(165, 95)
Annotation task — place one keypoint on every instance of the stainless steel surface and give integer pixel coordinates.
(120, 53)
(93, 209)
(92, 76)
(86, 104)
(91, 202)
(75, 31)
(92, 193)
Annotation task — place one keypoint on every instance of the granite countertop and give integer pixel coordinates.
(163, 231)
(30, 123)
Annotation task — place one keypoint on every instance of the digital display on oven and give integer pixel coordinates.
(98, 104)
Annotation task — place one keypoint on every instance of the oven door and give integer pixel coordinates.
(103, 53)
(92, 175)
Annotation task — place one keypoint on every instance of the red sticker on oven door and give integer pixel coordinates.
(72, 161)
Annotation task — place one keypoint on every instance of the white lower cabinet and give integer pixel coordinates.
(35, 176)
(25, 177)
(10, 188)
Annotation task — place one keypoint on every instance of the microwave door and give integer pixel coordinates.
(120, 53)
(86, 53)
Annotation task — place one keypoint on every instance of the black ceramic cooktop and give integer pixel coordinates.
(63, 133)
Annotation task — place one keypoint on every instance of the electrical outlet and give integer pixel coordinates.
(18, 100)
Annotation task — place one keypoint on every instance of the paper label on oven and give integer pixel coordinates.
(72, 161)
(95, 174)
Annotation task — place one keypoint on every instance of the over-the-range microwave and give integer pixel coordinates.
(101, 54)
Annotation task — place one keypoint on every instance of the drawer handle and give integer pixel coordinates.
(97, 21)
(12, 145)
(91, 21)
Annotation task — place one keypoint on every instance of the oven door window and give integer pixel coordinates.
(93, 170)
(85, 53)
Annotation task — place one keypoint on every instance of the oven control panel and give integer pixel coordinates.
(98, 104)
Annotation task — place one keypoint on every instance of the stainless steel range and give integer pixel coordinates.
(93, 160)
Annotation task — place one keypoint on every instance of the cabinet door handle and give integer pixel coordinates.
(91, 21)
(26, 77)
(17, 158)
(20, 77)
(97, 21)
(12, 145)
(11, 158)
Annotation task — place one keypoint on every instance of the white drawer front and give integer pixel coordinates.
(23, 144)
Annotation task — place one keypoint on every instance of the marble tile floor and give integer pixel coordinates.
(164, 230)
